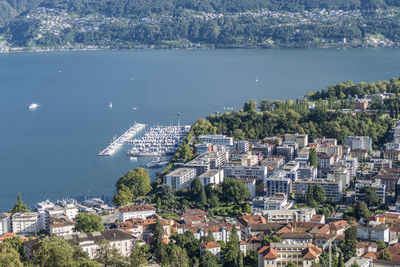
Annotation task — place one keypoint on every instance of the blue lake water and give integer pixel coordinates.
(52, 152)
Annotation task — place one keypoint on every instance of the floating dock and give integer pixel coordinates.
(118, 143)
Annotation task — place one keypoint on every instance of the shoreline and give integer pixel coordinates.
(27, 50)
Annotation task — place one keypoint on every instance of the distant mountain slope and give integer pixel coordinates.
(10, 9)
(193, 23)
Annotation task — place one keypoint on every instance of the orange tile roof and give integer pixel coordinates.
(209, 245)
(137, 208)
(369, 255)
(7, 236)
(268, 252)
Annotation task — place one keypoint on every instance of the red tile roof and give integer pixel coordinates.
(209, 245)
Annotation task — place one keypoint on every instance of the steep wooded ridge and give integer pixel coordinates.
(185, 23)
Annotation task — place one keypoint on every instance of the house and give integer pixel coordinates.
(247, 220)
(374, 232)
(142, 212)
(60, 226)
(392, 155)
(279, 254)
(365, 247)
(253, 243)
(338, 227)
(220, 230)
(211, 247)
(360, 154)
(388, 177)
(318, 218)
(118, 239)
(25, 222)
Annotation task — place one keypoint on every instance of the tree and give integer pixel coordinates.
(209, 237)
(109, 256)
(251, 258)
(310, 196)
(361, 210)
(157, 245)
(319, 194)
(137, 180)
(349, 244)
(246, 208)
(234, 191)
(232, 251)
(291, 264)
(139, 256)
(9, 256)
(341, 261)
(87, 223)
(19, 206)
(370, 196)
(189, 242)
(17, 244)
(53, 251)
(381, 245)
(208, 260)
(312, 157)
(385, 255)
(177, 256)
(123, 197)
(250, 106)
(198, 193)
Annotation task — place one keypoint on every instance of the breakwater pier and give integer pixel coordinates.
(118, 143)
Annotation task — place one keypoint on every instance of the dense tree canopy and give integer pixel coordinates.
(88, 223)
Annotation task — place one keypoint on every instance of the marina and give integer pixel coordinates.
(158, 141)
(118, 143)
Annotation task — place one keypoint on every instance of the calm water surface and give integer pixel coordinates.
(52, 152)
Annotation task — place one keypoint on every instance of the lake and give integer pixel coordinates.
(51, 152)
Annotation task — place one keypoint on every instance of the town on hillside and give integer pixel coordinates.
(280, 201)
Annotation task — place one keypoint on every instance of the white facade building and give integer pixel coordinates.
(374, 233)
(358, 142)
(141, 212)
(5, 223)
(214, 176)
(216, 139)
(118, 239)
(25, 222)
(180, 178)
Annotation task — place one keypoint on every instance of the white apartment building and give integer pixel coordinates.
(358, 142)
(61, 226)
(214, 176)
(217, 139)
(180, 178)
(287, 216)
(5, 223)
(379, 187)
(257, 172)
(300, 139)
(141, 212)
(118, 239)
(340, 173)
(25, 222)
(374, 233)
